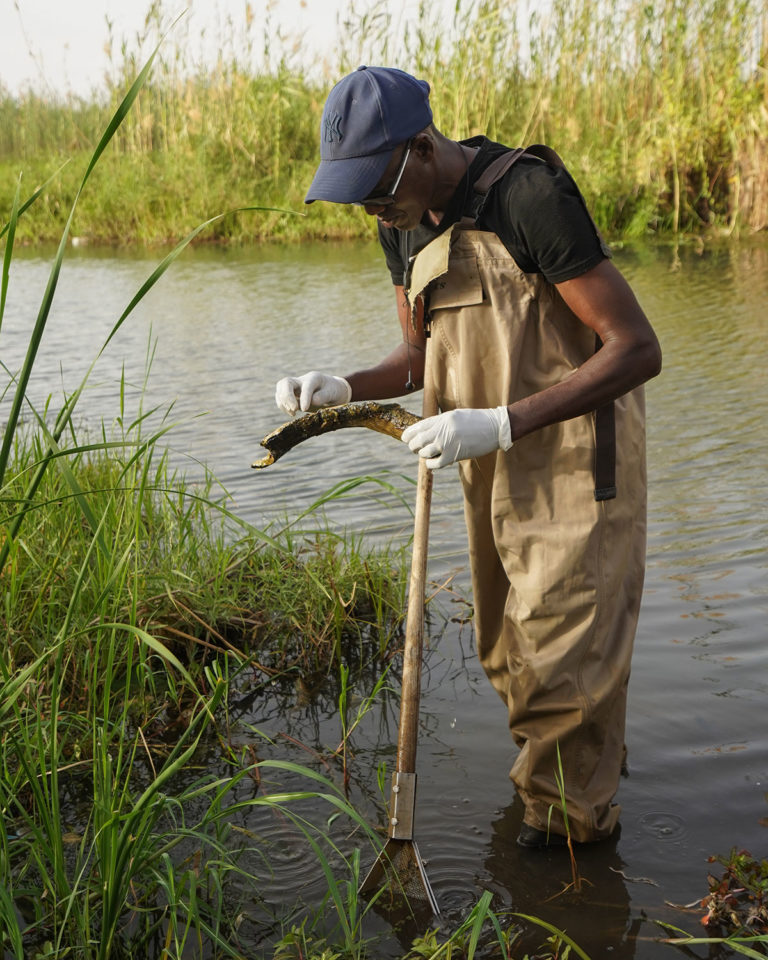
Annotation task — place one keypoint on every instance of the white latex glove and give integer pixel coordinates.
(311, 391)
(459, 435)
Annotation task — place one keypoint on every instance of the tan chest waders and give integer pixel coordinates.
(557, 573)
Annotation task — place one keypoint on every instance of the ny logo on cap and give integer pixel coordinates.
(332, 128)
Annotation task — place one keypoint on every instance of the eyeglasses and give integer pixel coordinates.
(384, 199)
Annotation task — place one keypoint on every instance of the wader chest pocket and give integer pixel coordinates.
(460, 287)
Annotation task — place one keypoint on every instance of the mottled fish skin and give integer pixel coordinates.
(389, 418)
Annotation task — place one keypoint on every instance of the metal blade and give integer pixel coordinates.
(400, 869)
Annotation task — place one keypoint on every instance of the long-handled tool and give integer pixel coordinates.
(399, 862)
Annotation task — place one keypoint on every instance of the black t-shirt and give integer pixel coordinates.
(535, 209)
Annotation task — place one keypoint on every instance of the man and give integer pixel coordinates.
(537, 350)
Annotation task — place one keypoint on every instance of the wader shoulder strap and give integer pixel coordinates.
(605, 416)
(492, 174)
(496, 170)
(498, 167)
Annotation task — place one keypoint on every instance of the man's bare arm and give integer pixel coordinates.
(405, 363)
(603, 300)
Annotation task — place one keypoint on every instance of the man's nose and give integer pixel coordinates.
(374, 208)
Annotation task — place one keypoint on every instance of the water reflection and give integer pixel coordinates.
(537, 883)
(226, 324)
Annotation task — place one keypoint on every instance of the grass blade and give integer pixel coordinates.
(735, 942)
(9, 252)
(155, 645)
(10, 925)
(551, 928)
(50, 290)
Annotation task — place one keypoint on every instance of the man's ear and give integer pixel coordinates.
(423, 146)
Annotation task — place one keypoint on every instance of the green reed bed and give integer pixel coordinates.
(660, 109)
(158, 559)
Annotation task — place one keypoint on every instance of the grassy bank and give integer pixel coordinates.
(128, 616)
(131, 601)
(117, 537)
(660, 110)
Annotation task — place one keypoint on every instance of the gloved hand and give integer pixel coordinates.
(459, 435)
(311, 391)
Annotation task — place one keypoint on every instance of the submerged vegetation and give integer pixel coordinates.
(660, 109)
(736, 906)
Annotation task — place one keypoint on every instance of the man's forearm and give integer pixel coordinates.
(389, 378)
(610, 373)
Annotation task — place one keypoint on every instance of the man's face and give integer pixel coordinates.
(397, 199)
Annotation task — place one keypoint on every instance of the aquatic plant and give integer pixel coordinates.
(739, 898)
(737, 904)
(742, 944)
(563, 809)
(562, 944)
(468, 938)
(155, 867)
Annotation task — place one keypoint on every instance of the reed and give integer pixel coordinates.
(659, 110)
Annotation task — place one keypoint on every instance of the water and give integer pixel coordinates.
(225, 325)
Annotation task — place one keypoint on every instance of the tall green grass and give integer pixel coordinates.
(124, 598)
(126, 623)
(659, 108)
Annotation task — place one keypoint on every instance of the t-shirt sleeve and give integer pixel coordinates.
(548, 221)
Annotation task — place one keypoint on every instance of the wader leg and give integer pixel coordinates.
(555, 624)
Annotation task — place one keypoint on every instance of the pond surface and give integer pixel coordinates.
(225, 325)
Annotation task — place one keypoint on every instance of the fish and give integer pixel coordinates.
(387, 418)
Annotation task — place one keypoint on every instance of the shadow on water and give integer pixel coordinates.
(537, 883)
(698, 752)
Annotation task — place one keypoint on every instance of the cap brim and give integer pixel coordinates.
(349, 180)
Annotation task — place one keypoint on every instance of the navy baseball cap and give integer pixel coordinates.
(367, 114)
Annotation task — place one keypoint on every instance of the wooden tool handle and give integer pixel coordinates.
(414, 628)
(408, 731)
